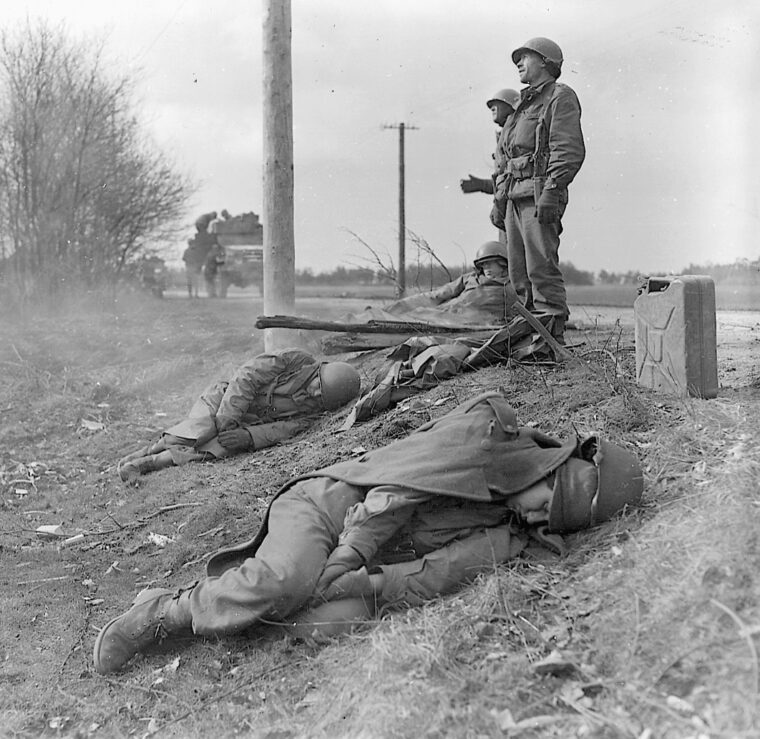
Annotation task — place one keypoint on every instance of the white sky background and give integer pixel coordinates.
(669, 92)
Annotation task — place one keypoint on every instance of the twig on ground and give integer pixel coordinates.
(43, 580)
(142, 521)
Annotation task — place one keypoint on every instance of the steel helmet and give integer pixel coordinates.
(545, 48)
(595, 486)
(510, 97)
(339, 383)
(491, 250)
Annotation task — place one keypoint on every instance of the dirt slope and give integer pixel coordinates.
(649, 622)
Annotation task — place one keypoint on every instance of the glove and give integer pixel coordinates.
(472, 184)
(352, 584)
(223, 423)
(547, 208)
(343, 559)
(498, 212)
(235, 440)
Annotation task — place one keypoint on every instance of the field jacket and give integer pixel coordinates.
(472, 291)
(267, 397)
(555, 106)
(472, 453)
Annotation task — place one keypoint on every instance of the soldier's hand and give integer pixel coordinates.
(343, 559)
(547, 207)
(352, 584)
(472, 184)
(236, 440)
(223, 423)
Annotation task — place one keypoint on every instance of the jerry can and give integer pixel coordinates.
(676, 348)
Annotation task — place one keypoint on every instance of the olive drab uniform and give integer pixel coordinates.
(545, 149)
(267, 397)
(473, 458)
(499, 179)
(473, 293)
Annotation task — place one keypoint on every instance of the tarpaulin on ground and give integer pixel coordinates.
(421, 362)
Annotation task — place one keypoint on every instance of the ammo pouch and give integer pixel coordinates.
(521, 171)
(521, 168)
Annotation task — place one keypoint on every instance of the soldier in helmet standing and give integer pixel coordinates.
(502, 105)
(267, 400)
(544, 151)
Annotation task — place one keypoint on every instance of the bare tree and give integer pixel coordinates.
(81, 189)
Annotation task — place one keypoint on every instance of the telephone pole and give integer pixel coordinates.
(401, 287)
(279, 240)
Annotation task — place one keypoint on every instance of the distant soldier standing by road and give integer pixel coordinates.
(502, 105)
(193, 258)
(544, 150)
(214, 260)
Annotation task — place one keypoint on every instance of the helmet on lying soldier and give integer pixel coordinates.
(594, 486)
(490, 250)
(339, 383)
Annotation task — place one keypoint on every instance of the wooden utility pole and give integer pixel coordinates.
(401, 281)
(279, 238)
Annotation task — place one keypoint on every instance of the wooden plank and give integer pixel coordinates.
(369, 327)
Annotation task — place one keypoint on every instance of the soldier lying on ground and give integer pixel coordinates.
(271, 398)
(482, 296)
(486, 288)
(457, 483)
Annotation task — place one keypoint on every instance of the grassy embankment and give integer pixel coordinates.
(650, 623)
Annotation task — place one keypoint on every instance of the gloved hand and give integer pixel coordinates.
(236, 440)
(498, 213)
(547, 207)
(344, 558)
(223, 423)
(352, 584)
(473, 184)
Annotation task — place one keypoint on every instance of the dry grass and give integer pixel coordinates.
(654, 613)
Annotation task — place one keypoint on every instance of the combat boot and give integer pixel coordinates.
(558, 329)
(131, 470)
(156, 614)
(141, 452)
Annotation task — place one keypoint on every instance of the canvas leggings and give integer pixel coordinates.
(533, 250)
(303, 527)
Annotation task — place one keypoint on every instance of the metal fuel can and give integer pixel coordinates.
(675, 333)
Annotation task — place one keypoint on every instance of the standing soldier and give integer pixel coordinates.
(502, 105)
(193, 259)
(214, 260)
(544, 150)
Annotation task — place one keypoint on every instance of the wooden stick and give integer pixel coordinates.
(369, 327)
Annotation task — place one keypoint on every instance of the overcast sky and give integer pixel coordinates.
(669, 92)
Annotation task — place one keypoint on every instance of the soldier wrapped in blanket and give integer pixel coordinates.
(460, 489)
